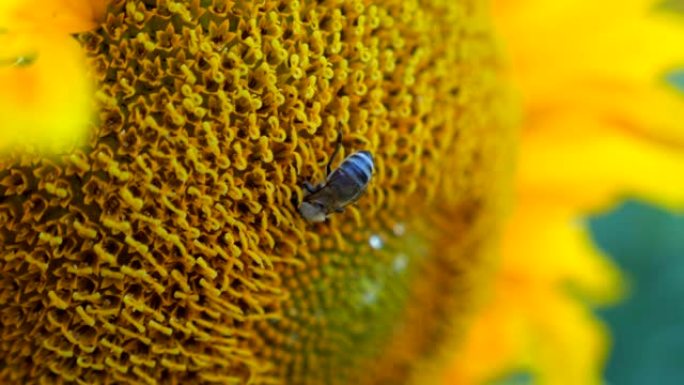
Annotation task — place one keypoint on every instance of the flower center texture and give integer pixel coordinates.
(170, 249)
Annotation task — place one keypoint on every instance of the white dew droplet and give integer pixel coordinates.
(375, 241)
(399, 229)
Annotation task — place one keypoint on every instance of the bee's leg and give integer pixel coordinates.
(311, 189)
(339, 210)
(334, 154)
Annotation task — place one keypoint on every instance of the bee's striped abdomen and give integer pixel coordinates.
(358, 166)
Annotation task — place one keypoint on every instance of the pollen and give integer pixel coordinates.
(170, 249)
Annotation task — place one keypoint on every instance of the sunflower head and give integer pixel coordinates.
(170, 249)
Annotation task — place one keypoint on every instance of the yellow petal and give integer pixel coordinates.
(56, 16)
(612, 68)
(491, 347)
(569, 344)
(45, 96)
(626, 41)
(579, 160)
(548, 244)
(654, 112)
(46, 103)
(534, 321)
(535, 329)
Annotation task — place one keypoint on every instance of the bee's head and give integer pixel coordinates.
(312, 211)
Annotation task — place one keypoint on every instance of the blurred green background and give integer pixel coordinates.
(648, 328)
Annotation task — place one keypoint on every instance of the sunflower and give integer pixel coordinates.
(600, 123)
(168, 247)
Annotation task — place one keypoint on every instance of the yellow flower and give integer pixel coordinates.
(599, 124)
(170, 250)
(45, 94)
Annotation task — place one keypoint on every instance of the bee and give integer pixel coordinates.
(342, 187)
